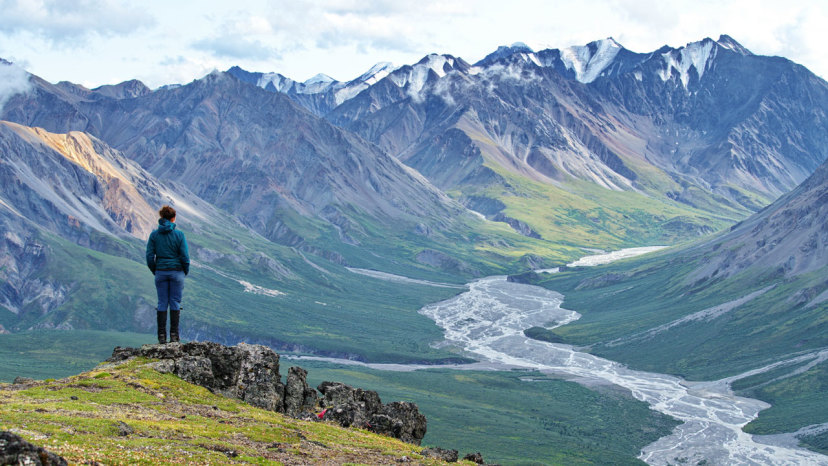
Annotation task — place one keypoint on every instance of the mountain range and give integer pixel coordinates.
(700, 124)
(441, 169)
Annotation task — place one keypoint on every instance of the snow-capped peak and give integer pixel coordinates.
(320, 78)
(521, 47)
(277, 81)
(377, 72)
(415, 77)
(696, 55)
(366, 80)
(317, 84)
(505, 51)
(436, 63)
(588, 61)
(729, 43)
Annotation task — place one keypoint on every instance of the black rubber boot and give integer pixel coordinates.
(162, 327)
(174, 315)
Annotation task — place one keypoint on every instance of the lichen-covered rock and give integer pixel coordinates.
(413, 427)
(350, 406)
(449, 456)
(386, 425)
(258, 381)
(336, 393)
(299, 397)
(247, 372)
(475, 458)
(15, 450)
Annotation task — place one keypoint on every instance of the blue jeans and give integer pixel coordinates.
(170, 286)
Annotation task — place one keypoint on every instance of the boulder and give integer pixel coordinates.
(350, 406)
(449, 456)
(475, 458)
(247, 372)
(413, 427)
(299, 397)
(15, 450)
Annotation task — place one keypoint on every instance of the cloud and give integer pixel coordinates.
(367, 25)
(72, 23)
(240, 36)
(234, 46)
(13, 80)
(182, 69)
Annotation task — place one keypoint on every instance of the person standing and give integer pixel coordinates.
(168, 258)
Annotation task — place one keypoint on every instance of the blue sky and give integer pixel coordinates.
(95, 42)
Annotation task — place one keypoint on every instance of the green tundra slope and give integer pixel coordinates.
(132, 414)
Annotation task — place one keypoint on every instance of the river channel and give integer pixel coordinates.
(489, 319)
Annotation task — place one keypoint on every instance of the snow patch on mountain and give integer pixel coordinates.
(317, 84)
(377, 72)
(368, 79)
(588, 61)
(279, 82)
(414, 78)
(695, 55)
(437, 63)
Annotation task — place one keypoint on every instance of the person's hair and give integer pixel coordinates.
(167, 212)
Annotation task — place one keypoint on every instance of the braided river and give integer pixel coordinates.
(488, 322)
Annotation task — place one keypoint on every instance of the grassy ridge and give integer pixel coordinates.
(132, 414)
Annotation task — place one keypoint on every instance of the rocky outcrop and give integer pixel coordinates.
(15, 450)
(350, 406)
(251, 373)
(520, 227)
(526, 278)
(475, 457)
(247, 372)
(298, 395)
(449, 456)
(444, 262)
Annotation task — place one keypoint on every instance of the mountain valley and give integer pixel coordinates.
(324, 218)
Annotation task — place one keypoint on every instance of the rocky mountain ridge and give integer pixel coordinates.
(45, 167)
(789, 236)
(693, 124)
(278, 169)
(689, 126)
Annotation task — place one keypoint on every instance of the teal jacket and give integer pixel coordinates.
(167, 249)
